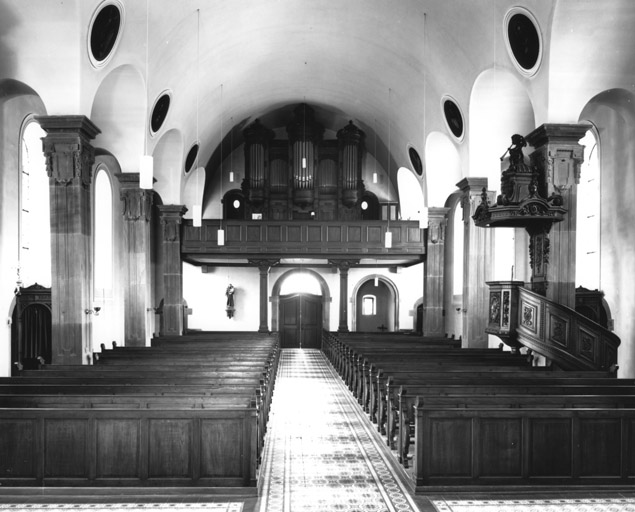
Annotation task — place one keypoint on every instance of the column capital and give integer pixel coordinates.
(264, 265)
(472, 185)
(437, 221)
(67, 149)
(557, 134)
(344, 265)
(137, 202)
(171, 218)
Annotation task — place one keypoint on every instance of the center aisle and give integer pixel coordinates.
(322, 453)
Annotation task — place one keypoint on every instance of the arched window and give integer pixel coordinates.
(103, 236)
(588, 217)
(34, 226)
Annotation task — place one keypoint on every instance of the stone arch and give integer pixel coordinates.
(275, 297)
(394, 290)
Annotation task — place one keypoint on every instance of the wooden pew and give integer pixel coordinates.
(495, 447)
(186, 406)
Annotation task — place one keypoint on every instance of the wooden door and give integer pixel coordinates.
(300, 321)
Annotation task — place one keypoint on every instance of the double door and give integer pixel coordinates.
(300, 321)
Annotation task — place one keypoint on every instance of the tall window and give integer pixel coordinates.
(34, 224)
(103, 258)
(588, 217)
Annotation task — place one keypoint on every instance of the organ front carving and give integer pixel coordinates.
(306, 176)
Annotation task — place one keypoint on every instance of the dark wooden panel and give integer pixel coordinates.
(500, 447)
(334, 233)
(65, 448)
(550, 447)
(354, 234)
(294, 233)
(413, 234)
(169, 448)
(274, 233)
(558, 329)
(17, 445)
(232, 233)
(117, 448)
(451, 442)
(600, 447)
(631, 448)
(374, 234)
(221, 448)
(314, 233)
(253, 234)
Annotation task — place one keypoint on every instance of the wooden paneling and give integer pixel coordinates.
(500, 447)
(218, 440)
(117, 445)
(451, 447)
(305, 237)
(17, 445)
(103, 447)
(169, 443)
(65, 450)
(600, 453)
(550, 447)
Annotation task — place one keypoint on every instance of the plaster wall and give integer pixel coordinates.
(205, 295)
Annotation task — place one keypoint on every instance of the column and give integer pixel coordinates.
(343, 266)
(69, 160)
(559, 156)
(137, 214)
(477, 264)
(434, 280)
(264, 266)
(171, 220)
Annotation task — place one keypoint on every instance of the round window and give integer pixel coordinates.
(236, 204)
(364, 205)
(104, 32)
(523, 40)
(415, 159)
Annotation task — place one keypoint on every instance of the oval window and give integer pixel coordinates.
(104, 32)
(159, 112)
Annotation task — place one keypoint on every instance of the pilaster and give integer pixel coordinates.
(559, 156)
(264, 266)
(69, 160)
(173, 309)
(477, 263)
(433, 282)
(137, 213)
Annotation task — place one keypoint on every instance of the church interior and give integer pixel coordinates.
(283, 255)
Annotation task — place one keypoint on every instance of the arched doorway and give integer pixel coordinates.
(375, 306)
(31, 328)
(300, 306)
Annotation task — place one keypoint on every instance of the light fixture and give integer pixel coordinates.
(221, 232)
(388, 237)
(146, 162)
(423, 218)
(231, 149)
(376, 281)
(375, 164)
(197, 209)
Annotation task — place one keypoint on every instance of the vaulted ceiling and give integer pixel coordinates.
(385, 65)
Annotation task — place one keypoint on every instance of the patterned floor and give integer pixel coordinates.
(124, 507)
(322, 454)
(538, 505)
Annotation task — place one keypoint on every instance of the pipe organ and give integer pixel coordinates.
(303, 177)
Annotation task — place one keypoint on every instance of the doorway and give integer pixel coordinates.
(300, 321)
(375, 307)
